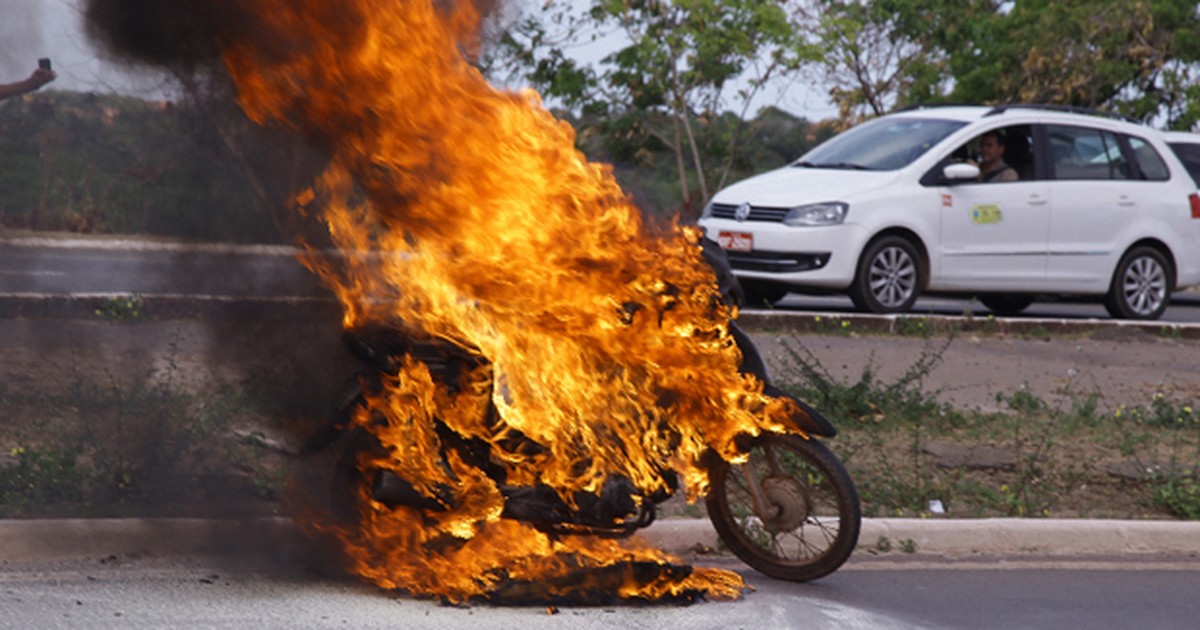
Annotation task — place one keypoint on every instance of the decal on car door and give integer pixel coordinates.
(985, 214)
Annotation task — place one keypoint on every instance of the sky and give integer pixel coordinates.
(31, 29)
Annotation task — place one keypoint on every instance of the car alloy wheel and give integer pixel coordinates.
(892, 277)
(1145, 286)
(889, 276)
(1141, 288)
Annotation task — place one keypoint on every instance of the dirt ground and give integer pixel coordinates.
(1123, 367)
(79, 378)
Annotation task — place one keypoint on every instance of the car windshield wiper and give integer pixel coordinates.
(849, 166)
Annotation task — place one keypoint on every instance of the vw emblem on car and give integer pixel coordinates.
(742, 212)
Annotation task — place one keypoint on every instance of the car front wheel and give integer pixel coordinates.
(889, 276)
(1141, 287)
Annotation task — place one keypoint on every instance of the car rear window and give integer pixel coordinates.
(1189, 154)
(883, 144)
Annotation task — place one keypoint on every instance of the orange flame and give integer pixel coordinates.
(467, 213)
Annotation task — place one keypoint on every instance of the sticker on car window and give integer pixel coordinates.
(985, 214)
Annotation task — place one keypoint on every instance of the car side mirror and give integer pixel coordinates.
(960, 172)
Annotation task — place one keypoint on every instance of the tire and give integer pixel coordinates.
(818, 515)
(889, 276)
(1006, 303)
(1141, 285)
(762, 294)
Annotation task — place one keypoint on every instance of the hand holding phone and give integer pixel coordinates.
(44, 63)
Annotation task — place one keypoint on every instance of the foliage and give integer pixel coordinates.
(648, 171)
(114, 164)
(1056, 461)
(1138, 58)
(40, 476)
(1179, 495)
(124, 448)
(671, 76)
(121, 308)
(867, 399)
(872, 57)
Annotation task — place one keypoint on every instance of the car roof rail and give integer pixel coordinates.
(1070, 109)
(919, 106)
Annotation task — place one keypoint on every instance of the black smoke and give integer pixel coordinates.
(190, 34)
(182, 34)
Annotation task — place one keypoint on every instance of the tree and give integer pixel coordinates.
(680, 64)
(1138, 58)
(872, 56)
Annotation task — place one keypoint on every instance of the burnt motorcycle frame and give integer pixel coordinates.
(790, 510)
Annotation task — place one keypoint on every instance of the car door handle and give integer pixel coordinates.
(1037, 200)
(1126, 201)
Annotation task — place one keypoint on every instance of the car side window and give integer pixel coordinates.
(1151, 163)
(1083, 153)
(1002, 155)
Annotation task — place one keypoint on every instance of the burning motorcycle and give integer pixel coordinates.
(787, 507)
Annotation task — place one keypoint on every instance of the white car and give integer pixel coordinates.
(894, 207)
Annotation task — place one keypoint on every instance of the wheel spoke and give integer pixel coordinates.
(807, 549)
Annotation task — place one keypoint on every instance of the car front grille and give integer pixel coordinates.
(772, 215)
(777, 262)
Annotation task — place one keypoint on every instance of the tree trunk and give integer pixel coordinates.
(677, 147)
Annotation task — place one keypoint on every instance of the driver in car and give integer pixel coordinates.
(992, 167)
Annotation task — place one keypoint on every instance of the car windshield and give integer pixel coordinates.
(884, 144)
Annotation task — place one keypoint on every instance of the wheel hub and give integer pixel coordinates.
(788, 501)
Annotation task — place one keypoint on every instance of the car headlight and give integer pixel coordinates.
(829, 213)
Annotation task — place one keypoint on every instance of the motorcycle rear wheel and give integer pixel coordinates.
(811, 518)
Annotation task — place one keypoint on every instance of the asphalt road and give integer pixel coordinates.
(912, 592)
(60, 267)
(31, 266)
(1184, 308)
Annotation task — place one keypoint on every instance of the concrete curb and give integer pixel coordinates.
(89, 306)
(49, 540)
(68, 539)
(917, 323)
(1001, 536)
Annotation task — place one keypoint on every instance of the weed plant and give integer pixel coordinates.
(107, 447)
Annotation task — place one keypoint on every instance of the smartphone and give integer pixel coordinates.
(44, 63)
